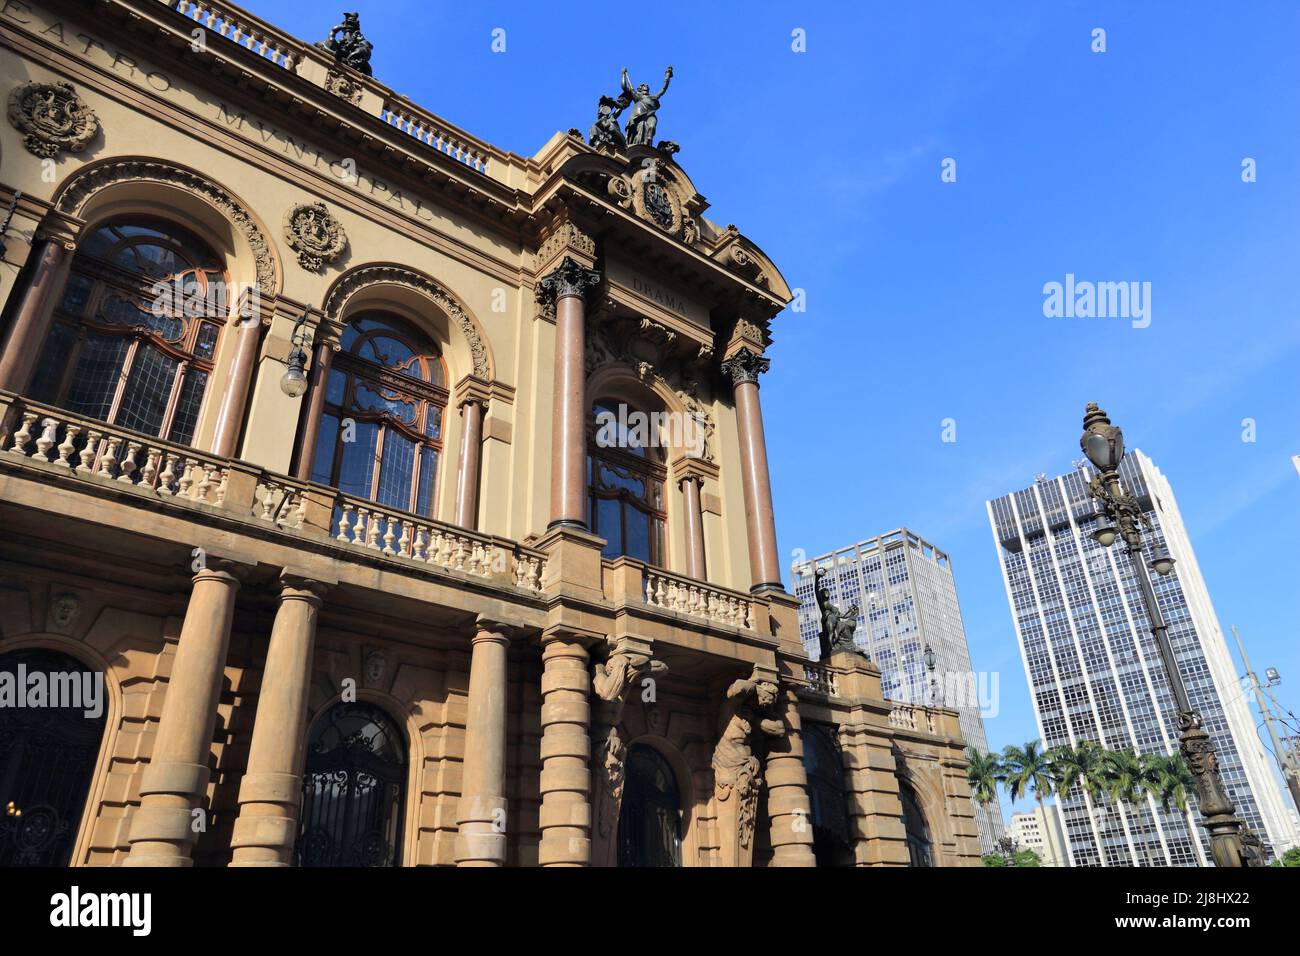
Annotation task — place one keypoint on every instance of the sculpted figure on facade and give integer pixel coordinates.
(348, 45)
(605, 132)
(750, 709)
(837, 627)
(613, 682)
(641, 124)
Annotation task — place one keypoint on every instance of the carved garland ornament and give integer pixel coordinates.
(96, 178)
(413, 280)
(315, 234)
(52, 117)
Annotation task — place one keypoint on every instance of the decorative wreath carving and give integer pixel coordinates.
(52, 118)
(342, 85)
(397, 275)
(315, 234)
(94, 178)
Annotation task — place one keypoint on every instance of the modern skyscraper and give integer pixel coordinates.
(1095, 673)
(907, 600)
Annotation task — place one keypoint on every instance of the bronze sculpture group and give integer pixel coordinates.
(605, 133)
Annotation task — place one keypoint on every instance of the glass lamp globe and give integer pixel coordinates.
(1162, 563)
(294, 381)
(1105, 535)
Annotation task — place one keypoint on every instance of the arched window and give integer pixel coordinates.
(47, 756)
(920, 848)
(135, 335)
(390, 382)
(625, 483)
(650, 820)
(824, 764)
(353, 789)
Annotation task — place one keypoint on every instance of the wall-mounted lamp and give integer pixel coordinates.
(294, 380)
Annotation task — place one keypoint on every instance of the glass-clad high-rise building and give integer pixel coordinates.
(1095, 673)
(906, 598)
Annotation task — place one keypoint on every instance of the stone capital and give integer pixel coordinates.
(745, 366)
(690, 468)
(60, 227)
(569, 279)
(472, 389)
(489, 628)
(303, 587)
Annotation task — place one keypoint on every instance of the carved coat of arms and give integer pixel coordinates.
(52, 117)
(312, 231)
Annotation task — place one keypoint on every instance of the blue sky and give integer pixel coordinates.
(925, 298)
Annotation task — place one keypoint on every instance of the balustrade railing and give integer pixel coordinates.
(243, 28)
(401, 113)
(88, 448)
(821, 679)
(91, 450)
(687, 596)
(910, 717)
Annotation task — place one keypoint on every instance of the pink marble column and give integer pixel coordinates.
(568, 286)
(744, 367)
(31, 319)
(471, 444)
(694, 527)
(234, 399)
(317, 384)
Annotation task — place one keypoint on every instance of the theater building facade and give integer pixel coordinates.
(305, 465)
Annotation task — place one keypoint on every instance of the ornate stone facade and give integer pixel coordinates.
(520, 692)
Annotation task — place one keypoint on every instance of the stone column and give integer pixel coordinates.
(322, 361)
(234, 399)
(694, 528)
(788, 810)
(744, 368)
(176, 781)
(566, 752)
(568, 286)
(472, 396)
(25, 336)
(482, 820)
(271, 792)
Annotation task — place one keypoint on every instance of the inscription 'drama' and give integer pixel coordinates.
(658, 296)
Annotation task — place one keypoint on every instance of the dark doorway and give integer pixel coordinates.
(47, 761)
(650, 821)
(824, 764)
(353, 789)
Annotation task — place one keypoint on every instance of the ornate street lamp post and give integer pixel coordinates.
(1122, 517)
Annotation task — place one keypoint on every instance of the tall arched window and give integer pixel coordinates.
(135, 335)
(920, 848)
(47, 759)
(390, 381)
(353, 789)
(650, 820)
(625, 483)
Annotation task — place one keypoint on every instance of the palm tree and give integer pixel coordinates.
(1027, 769)
(1170, 780)
(983, 771)
(1083, 764)
(1128, 777)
